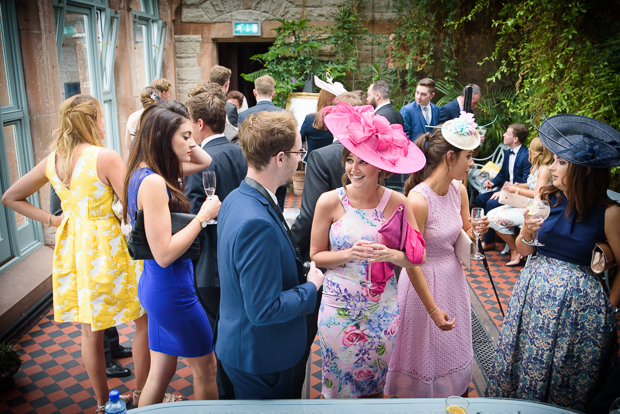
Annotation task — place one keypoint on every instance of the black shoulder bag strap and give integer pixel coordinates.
(265, 194)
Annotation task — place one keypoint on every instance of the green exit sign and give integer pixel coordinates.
(246, 28)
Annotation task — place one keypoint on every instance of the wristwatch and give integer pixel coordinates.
(203, 222)
(517, 192)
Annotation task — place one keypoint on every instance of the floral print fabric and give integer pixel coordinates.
(558, 338)
(357, 325)
(94, 280)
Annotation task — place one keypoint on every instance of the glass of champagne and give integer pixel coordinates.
(476, 215)
(456, 405)
(208, 183)
(537, 209)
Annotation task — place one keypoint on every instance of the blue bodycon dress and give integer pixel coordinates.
(178, 324)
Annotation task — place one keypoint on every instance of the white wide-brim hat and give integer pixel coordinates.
(461, 132)
(334, 88)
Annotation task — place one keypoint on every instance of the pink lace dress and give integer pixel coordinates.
(428, 362)
(357, 326)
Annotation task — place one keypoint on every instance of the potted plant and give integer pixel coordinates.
(10, 362)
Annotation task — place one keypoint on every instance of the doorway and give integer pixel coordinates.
(236, 57)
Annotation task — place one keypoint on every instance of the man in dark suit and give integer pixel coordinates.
(264, 91)
(421, 112)
(208, 116)
(221, 76)
(265, 295)
(453, 108)
(515, 169)
(379, 98)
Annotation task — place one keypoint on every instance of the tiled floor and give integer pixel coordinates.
(53, 379)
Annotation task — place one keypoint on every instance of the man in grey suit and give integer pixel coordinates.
(264, 91)
(208, 116)
(379, 98)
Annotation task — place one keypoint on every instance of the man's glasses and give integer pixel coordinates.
(302, 152)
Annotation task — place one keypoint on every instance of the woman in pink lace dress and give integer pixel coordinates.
(433, 351)
(358, 316)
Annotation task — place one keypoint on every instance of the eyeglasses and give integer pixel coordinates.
(302, 152)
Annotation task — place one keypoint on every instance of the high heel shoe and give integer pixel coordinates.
(516, 261)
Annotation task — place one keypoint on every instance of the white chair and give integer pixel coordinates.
(497, 157)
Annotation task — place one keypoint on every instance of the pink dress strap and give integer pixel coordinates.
(384, 200)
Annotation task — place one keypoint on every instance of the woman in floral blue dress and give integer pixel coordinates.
(559, 336)
(358, 316)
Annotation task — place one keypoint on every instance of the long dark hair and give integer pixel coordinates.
(153, 146)
(586, 189)
(435, 149)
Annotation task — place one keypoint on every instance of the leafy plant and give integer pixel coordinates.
(8, 355)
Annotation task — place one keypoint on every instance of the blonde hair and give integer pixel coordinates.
(147, 96)
(161, 84)
(220, 75)
(265, 85)
(539, 154)
(79, 116)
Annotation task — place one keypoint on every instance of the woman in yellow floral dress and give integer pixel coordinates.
(94, 279)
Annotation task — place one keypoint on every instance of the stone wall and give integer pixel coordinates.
(216, 11)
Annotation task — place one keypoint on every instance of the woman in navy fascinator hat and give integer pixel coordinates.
(558, 339)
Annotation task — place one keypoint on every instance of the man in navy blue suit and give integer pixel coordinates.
(208, 117)
(265, 295)
(515, 169)
(453, 108)
(422, 111)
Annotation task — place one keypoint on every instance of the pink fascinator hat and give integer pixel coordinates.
(373, 139)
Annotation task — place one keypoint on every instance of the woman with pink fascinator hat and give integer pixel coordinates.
(358, 316)
(433, 353)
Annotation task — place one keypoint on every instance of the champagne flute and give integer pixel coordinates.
(537, 209)
(208, 183)
(476, 216)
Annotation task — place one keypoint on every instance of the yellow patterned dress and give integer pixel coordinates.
(95, 281)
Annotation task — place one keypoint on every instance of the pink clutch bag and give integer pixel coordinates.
(396, 233)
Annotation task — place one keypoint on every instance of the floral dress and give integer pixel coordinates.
(357, 326)
(94, 280)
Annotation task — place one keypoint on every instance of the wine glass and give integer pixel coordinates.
(482, 177)
(482, 131)
(476, 216)
(208, 183)
(537, 209)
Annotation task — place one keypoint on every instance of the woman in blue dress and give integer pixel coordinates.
(558, 339)
(164, 151)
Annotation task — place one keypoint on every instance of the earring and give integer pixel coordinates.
(449, 167)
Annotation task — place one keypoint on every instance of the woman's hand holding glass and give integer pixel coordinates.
(534, 215)
(362, 251)
(210, 208)
(479, 226)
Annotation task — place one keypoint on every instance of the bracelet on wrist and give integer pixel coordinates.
(522, 239)
(49, 220)
(430, 312)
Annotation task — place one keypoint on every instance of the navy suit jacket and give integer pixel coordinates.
(391, 114)
(521, 170)
(264, 296)
(449, 111)
(230, 169)
(232, 114)
(414, 120)
(261, 106)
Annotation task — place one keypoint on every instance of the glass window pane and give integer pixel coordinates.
(5, 95)
(107, 117)
(100, 29)
(140, 56)
(12, 154)
(75, 69)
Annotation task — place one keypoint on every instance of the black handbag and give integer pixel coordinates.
(139, 247)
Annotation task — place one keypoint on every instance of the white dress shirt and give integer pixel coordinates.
(210, 138)
(511, 162)
(380, 106)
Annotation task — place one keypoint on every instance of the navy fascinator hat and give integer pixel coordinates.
(581, 140)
